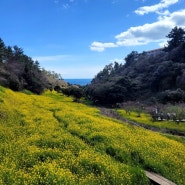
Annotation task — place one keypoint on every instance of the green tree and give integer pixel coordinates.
(9, 52)
(2, 50)
(177, 37)
(75, 91)
(130, 58)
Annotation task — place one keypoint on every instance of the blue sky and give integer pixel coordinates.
(77, 38)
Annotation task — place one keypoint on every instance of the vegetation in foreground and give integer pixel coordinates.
(50, 139)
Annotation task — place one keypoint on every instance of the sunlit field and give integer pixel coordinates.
(49, 139)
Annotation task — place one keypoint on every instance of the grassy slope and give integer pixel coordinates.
(49, 139)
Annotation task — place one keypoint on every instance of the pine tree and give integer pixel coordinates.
(177, 38)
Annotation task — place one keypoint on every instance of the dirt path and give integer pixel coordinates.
(114, 114)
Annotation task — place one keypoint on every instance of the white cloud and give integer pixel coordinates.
(147, 33)
(163, 43)
(164, 13)
(155, 8)
(142, 35)
(99, 46)
(154, 32)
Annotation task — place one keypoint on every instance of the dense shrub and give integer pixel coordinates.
(75, 91)
(173, 96)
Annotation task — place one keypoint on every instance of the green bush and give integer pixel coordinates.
(172, 96)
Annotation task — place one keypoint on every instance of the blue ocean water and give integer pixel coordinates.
(79, 81)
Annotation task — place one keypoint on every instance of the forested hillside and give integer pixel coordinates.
(19, 71)
(157, 75)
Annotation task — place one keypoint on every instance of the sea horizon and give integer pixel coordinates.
(78, 81)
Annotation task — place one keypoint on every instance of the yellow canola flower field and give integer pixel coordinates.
(49, 139)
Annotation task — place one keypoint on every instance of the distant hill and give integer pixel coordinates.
(157, 75)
